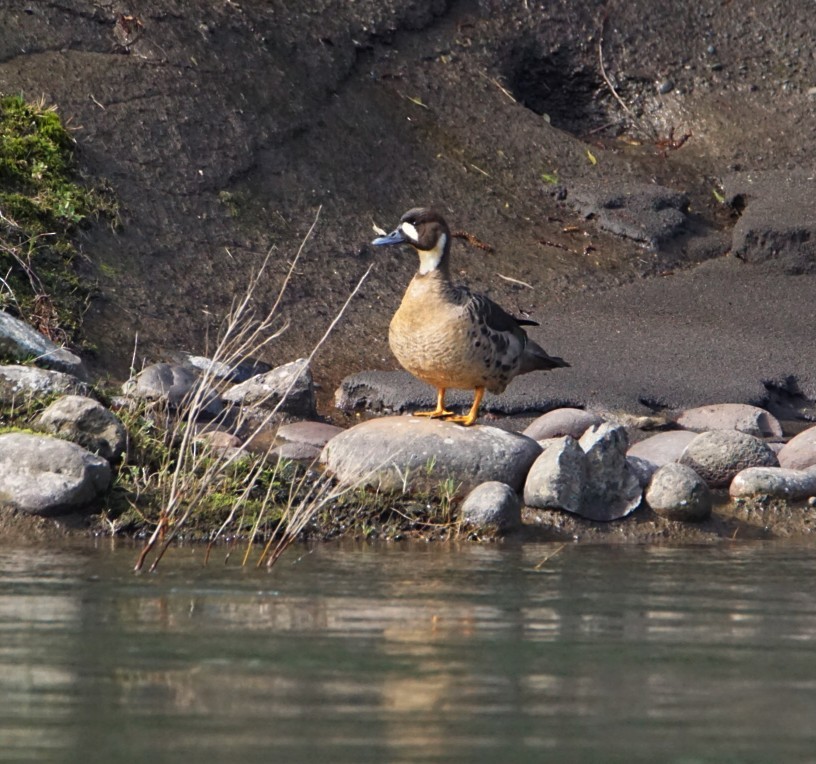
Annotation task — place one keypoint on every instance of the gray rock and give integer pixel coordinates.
(557, 477)
(679, 493)
(731, 416)
(799, 453)
(47, 476)
(303, 441)
(612, 489)
(418, 454)
(23, 383)
(645, 212)
(297, 452)
(665, 86)
(21, 342)
(86, 422)
(642, 469)
(492, 504)
(719, 455)
(560, 422)
(172, 384)
(663, 447)
(777, 224)
(235, 373)
(290, 388)
(775, 482)
(315, 434)
(399, 392)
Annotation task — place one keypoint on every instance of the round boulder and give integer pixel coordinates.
(492, 504)
(47, 476)
(718, 455)
(413, 453)
(677, 492)
(86, 422)
(799, 453)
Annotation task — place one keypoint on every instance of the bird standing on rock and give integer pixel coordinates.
(448, 336)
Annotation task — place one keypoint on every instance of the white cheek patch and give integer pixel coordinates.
(410, 231)
(429, 259)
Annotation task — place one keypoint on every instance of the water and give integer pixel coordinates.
(412, 653)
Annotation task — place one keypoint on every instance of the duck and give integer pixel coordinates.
(448, 336)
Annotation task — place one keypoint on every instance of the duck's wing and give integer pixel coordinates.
(506, 331)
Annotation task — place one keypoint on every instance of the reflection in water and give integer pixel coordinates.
(359, 653)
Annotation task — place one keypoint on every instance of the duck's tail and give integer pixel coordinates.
(535, 358)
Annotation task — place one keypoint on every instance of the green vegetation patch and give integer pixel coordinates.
(42, 203)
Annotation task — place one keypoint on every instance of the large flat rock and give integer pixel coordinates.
(420, 454)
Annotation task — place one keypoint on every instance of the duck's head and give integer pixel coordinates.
(425, 230)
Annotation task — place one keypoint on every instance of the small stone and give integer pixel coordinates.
(677, 492)
(799, 453)
(711, 50)
(492, 504)
(297, 452)
(560, 422)
(731, 416)
(556, 478)
(665, 86)
(235, 373)
(642, 469)
(173, 384)
(289, 388)
(776, 482)
(719, 455)
(86, 422)
(812, 501)
(312, 433)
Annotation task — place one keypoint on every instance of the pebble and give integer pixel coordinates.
(731, 416)
(665, 86)
(677, 492)
(775, 482)
(492, 504)
(560, 422)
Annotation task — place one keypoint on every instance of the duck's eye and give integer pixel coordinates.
(409, 230)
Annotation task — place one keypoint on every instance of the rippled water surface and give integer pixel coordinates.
(508, 653)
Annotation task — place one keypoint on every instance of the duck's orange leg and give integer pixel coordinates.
(469, 418)
(439, 412)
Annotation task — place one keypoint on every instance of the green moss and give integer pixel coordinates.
(42, 203)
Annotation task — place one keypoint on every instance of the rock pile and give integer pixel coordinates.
(567, 459)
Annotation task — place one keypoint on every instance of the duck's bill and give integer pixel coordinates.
(395, 237)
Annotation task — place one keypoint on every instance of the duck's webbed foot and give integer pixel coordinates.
(440, 412)
(469, 418)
